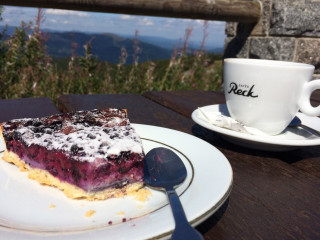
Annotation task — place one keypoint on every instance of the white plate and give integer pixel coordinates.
(25, 211)
(289, 139)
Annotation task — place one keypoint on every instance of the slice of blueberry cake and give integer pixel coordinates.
(87, 154)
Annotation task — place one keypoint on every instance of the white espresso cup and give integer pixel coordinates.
(267, 94)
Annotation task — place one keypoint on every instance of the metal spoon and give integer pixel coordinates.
(296, 123)
(163, 170)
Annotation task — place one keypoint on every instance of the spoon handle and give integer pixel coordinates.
(183, 229)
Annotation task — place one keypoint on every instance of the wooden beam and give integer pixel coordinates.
(247, 11)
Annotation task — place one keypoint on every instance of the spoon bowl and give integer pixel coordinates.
(163, 169)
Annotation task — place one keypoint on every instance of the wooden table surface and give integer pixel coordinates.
(274, 195)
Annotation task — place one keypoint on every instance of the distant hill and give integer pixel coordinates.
(170, 44)
(106, 47)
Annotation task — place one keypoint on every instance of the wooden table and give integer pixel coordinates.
(274, 195)
(26, 107)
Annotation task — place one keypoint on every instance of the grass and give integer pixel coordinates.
(26, 70)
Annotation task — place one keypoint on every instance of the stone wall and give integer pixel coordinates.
(288, 30)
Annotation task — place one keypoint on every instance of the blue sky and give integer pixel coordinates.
(66, 20)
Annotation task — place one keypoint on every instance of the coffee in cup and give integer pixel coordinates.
(267, 94)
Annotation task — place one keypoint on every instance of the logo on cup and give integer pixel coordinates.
(242, 90)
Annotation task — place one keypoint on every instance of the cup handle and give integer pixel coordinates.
(304, 102)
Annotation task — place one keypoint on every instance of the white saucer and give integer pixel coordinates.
(291, 138)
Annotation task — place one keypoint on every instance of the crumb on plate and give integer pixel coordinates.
(142, 194)
(90, 213)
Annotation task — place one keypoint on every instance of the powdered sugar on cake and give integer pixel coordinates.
(82, 135)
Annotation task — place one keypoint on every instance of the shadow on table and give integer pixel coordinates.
(213, 219)
(290, 157)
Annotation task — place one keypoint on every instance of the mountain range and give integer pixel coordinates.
(107, 46)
